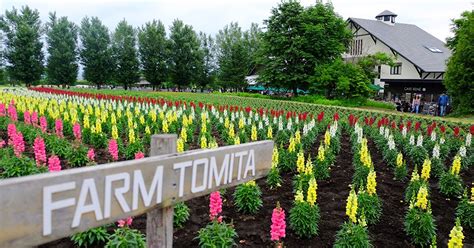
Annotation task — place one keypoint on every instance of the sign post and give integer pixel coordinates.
(41, 208)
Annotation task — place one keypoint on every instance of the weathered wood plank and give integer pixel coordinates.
(41, 208)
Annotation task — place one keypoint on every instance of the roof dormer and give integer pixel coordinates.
(387, 17)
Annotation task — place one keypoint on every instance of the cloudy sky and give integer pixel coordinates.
(211, 15)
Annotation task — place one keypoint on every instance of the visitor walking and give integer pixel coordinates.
(416, 104)
(443, 103)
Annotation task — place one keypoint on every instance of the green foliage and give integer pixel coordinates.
(465, 212)
(92, 237)
(459, 78)
(185, 54)
(58, 146)
(418, 155)
(248, 198)
(304, 219)
(96, 55)
(18, 167)
(124, 54)
(451, 185)
(23, 44)
(420, 226)
(412, 189)
(321, 168)
(98, 140)
(77, 157)
(297, 39)
(207, 76)
(370, 206)
(437, 167)
(181, 215)
(126, 237)
(132, 149)
(352, 236)
(369, 63)
(359, 179)
(62, 65)
(401, 172)
(274, 179)
(217, 234)
(153, 50)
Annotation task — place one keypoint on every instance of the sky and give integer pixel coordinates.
(210, 16)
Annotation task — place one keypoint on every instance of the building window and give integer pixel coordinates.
(386, 18)
(356, 47)
(396, 69)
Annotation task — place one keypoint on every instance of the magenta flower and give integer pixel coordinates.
(215, 206)
(11, 132)
(40, 151)
(3, 111)
(139, 155)
(278, 224)
(125, 222)
(34, 118)
(18, 144)
(12, 112)
(27, 117)
(43, 124)
(2, 143)
(76, 129)
(54, 164)
(113, 149)
(91, 155)
(59, 128)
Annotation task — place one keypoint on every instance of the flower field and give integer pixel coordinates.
(339, 178)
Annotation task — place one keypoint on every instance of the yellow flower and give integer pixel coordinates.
(269, 132)
(213, 144)
(299, 196)
(185, 121)
(472, 195)
(131, 136)
(456, 236)
(297, 137)
(308, 170)
(203, 142)
(399, 159)
(231, 131)
(251, 183)
(300, 162)
(164, 127)
(426, 169)
(147, 130)
(321, 152)
(180, 145)
(152, 114)
(226, 122)
(114, 132)
(351, 206)
(237, 140)
(203, 127)
(253, 135)
(415, 176)
(292, 145)
(241, 123)
(86, 121)
(371, 183)
(275, 157)
(456, 165)
(312, 195)
(142, 119)
(184, 134)
(327, 138)
(98, 126)
(422, 198)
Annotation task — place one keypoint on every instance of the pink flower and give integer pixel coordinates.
(76, 129)
(113, 149)
(215, 206)
(125, 222)
(34, 118)
(2, 109)
(43, 124)
(91, 154)
(11, 132)
(54, 164)
(27, 117)
(139, 155)
(278, 224)
(12, 112)
(59, 128)
(40, 151)
(18, 144)
(2, 143)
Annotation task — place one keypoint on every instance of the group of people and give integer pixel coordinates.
(417, 105)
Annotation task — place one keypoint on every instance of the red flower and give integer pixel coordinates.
(456, 131)
(471, 129)
(442, 128)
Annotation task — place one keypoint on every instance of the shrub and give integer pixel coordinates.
(181, 215)
(370, 206)
(217, 234)
(420, 226)
(304, 219)
(94, 236)
(247, 197)
(77, 157)
(352, 235)
(274, 179)
(126, 237)
(451, 185)
(465, 211)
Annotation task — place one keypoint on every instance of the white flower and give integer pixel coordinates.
(387, 133)
(462, 151)
(436, 151)
(412, 139)
(305, 129)
(288, 125)
(382, 130)
(433, 136)
(419, 141)
(260, 125)
(275, 120)
(404, 132)
(221, 120)
(391, 143)
(280, 125)
(468, 139)
(441, 140)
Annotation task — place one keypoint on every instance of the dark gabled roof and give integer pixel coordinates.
(413, 43)
(386, 13)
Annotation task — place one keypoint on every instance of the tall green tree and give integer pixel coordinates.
(154, 54)
(459, 78)
(234, 55)
(23, 46)
(125, 56)
(209, 64)
(298, 40)
(96, 53)
(370, 63)
(185, 54)
(62, 64)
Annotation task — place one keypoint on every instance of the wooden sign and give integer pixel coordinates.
(41, 208)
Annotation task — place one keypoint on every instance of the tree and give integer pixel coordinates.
(23, 46)
(124, 53)
(459, 79)
(344, 80)
(369, 63)
(234, 55)
(153, 50)
(96, 55)
(186, 56)
(62, 49)
(209, 66)
(298, 40)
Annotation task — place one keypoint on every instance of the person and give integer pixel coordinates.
(443, 103)
(416, 104)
